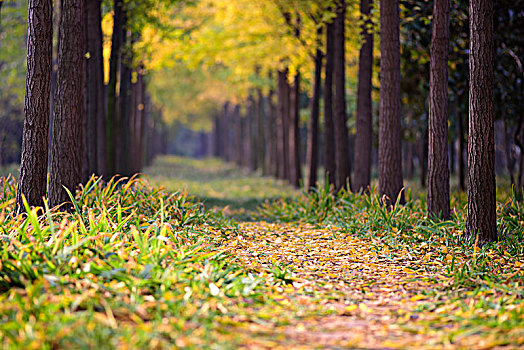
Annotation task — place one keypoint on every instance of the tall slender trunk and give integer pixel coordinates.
(35, 139)
(329, 128)
(389, 150)
(364, 123)
(93, 82)
(438, 166)
(294, 133)
(460, 153)
(282, 125)
(271, 140)
(112, 93)
(101, 93)
(248, 132)
(238, 136)
(69, 105)
(312, 142)
(124, 144)
(481, 208)
(261, 138)
(343, 167)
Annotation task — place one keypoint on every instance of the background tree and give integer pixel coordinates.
(343, 168)
(389, 151)
(33, 167)
(438, 168)
(364, 119)
(481, 208)
(66, 157)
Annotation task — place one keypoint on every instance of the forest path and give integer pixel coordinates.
(328, 288)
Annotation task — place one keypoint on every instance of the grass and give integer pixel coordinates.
(139, 265)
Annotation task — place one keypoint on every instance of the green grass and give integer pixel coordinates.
(140, 265)
(217, 184)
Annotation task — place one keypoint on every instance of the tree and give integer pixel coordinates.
(343, 167)
(389, 150)
(364, 123)
(112, 93)
(33, 168)
(283, 125)
(312, 142)
(66, 157)
(438, 168)
(329, 128)
(481, 208)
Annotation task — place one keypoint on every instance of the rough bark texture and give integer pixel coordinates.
(247, 132)
(460, 153)
(271, 143)
(389, 150)
(364, 122)
(438, 167)
(329, 129)
(124, 145)
(33, 167)
(312, 142)
(69, 105)
(343, 168)
(294, 134)
(282, 125)
(114, 61)
(481, 208)
(101, 95)
(93, 82)
(260, 142)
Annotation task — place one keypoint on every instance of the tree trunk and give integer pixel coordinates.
(260, 142)
(343, 167)
(93, 82)
(481, 208)
(112, 93)
(282, 125)
(364, 123)
(389, 150)
(125, 103)
(329, 128)
(460, 153)
(271, 142)
(238, 136)
(101, 95)
(438, 166)
(69, 105)
(312, 144)
(33, 167)
(248, 133)
(294, 133)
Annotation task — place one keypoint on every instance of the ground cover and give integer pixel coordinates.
(140, 266)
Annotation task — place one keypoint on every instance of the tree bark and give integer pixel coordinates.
(312, 144)
(124, 143)
(343, 167)
(112, 93)
(260, 142)
(460, 153)
(248, 132)
(271, 142)
(438, 166)
(69, 105)
(329, 128)
(294, 133)
(389, 150)
(33, 167)
(238, 136)
(282, 125)
(93, 18)
(481, 208)
(101, 93)
(364, 123)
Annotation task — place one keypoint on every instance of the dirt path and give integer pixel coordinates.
(366, 300)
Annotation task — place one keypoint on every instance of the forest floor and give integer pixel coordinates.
(262, 267)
